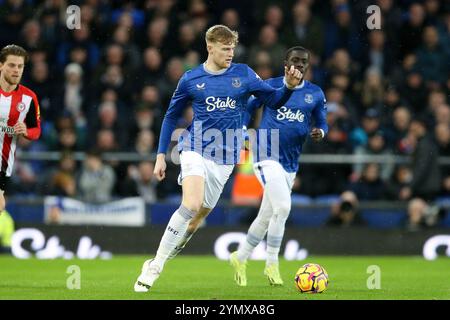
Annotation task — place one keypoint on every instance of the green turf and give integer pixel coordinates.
(205, 277)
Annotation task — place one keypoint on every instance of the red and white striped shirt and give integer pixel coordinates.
(19, 105)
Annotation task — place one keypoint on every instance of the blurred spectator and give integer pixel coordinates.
(378, 55)
(106, 141)
(67, 140)
(144, 120)
(97, 180)
(31, 36)
(442, 136)
(340, 32)
(341, 63)
(51, 24)
(391, 19)
(400, 178)
(398, 130)
(140, 182)
(432, 10)
(167, 85)
(392, 98)
(442, 115)
(345, 212)
(370, 186)
(156, 34)
(13, 15)
(122, 37)
(73, 96)
(268, 42)
(62, 181)
(307, 30)
(432, 60)
(199, 15)
(232, 20)
(421, 214)
(274, 17)
(436, 98)
(151, 70)
(80, 38)
(411, 30)
(369, 125)
(108, 119)
(426, 179)
(43, 85)
(145, 143)
(63, 184)
(25, 177)
(414, 91)
(376, 146)
(187, 40)
(373, 89)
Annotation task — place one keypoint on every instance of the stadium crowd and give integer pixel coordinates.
(105, 87)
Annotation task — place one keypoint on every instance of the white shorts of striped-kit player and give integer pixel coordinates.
(215, 175)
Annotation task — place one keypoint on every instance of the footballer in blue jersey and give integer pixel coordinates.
(293, 123)
(218, 91)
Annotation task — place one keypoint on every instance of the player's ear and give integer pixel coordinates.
(209, 47)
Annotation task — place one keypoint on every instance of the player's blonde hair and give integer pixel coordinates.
(222, 34)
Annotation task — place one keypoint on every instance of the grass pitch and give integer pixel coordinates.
(205, 278)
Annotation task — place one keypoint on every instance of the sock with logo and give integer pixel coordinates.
(175, 230)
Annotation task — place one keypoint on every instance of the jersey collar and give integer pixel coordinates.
(10, 92)
(301, 85)
(214, 72)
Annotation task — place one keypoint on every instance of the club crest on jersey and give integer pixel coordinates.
(200, 86)
(20, 107)
(308, 98)
(236, 82)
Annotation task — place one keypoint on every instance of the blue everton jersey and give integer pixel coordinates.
(292, 123)
(218, 101)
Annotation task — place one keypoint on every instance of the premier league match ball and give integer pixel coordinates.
(311, 278)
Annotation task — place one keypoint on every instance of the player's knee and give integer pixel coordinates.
(282, 210)
(192, 205)
(264, 221)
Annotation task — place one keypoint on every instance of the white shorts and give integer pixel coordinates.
(269, 170)
(215, 175)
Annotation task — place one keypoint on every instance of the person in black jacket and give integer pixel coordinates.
(425, 183)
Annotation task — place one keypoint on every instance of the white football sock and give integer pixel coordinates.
(176, 228)
(257, 231)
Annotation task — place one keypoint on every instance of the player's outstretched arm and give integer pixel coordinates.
(177, 105)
